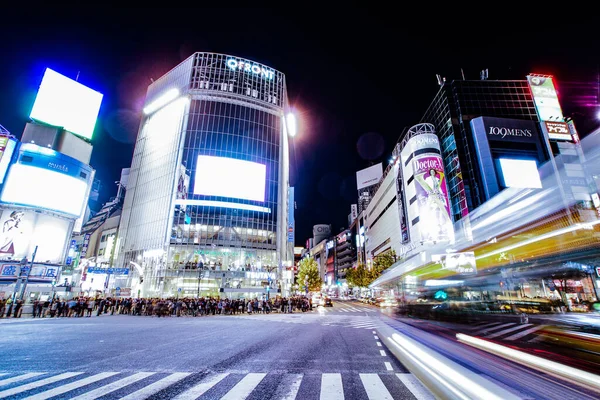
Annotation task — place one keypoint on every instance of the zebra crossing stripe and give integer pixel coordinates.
(375, 388)
(292, 391)
(156, 386)
(71, 386)
(505, 331)
(19, 378)
(244, 387)
(113, 387)
(495, 328)
(525, 333)
(201, 388)
(37, 384)
(331, 387)
(415, 387)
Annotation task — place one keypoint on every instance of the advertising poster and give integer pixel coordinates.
(402, 207)
(432, 198)
(459, 263)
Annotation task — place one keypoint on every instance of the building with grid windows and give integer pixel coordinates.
(206, 210)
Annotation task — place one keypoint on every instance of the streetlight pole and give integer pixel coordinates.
(28, 272)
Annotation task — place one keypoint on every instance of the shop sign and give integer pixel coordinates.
(247, 66)
(115, 271)
(84, 246)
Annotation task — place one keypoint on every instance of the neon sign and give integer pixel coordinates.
(247, 66)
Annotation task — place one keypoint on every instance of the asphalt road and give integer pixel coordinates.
(329, 353)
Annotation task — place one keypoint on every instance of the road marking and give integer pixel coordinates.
(525, 333)
(156, 386)
(244, 387)
(514, 328)
(415, 386)
(379, 344)
(382, 353)
(331, 387)
(20, 378)
(114, 386)
(376, 337)
(375, 388)
(37, 384)
(71, 386)
(488, 325)
(201, 388)
(388, 366)
(495, 328)
(292, 391)
(374, 332)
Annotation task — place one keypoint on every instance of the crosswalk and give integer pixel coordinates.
(228, 385)
(355, 321)
(509, 331)
(346, 308)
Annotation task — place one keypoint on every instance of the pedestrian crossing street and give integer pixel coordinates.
(345, 321)
(346, 308)
(234, 385)
(511, 331)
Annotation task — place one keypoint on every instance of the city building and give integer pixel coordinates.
(45, 183)
(345, 254)
(207, 205)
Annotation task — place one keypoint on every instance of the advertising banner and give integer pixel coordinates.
(291, 222)
(22, 231)
(558, 130)
(84, 246)
(402, 207)
(354, 212)
(545, 98)
(460, 263)
(115, 271)
(432, 198)
(38, 271)
(7, 148)
(369, 176)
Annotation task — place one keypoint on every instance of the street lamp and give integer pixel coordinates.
(292, 125)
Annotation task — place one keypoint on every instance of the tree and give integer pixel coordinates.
(361, 276)
(309, 269)
(358, 276)
(381, 263)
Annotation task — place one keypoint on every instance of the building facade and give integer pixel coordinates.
(206, 210)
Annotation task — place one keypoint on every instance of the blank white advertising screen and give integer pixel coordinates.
(520, 173)
(37, 187)
(229, 177)
(64, 102)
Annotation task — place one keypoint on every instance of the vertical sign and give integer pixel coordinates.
(291, 223)
(432, 198)
(401, 205)
(354, 212)
(548, 106)
(84, 246)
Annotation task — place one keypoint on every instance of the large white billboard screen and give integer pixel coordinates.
(520, 173)
(229, 177)
(64, 102)
(369, 176)
(37, 187)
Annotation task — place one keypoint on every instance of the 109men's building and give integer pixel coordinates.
(207, 204)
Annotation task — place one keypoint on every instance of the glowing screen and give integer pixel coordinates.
(520, 173)
(229, 177)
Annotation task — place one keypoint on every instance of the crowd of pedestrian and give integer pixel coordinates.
(160, 307)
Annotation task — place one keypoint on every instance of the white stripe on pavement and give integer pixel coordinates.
(201, 388)
(113, 387)
(331, 387)
(37, 384)
(388, 366)
(415, 386)
(375, 388)
(485, 326)
(494, 328)
(376, 337)
(157, 386)
(374, 332)
(525, 333)
(504, 332)
(382, 353)
(244, 387)
(14, 379)
(292, 391)
(71, 386)
(379, 344)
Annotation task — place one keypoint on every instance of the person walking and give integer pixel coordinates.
(91, 303)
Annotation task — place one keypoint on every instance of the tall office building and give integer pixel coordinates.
(206, 209)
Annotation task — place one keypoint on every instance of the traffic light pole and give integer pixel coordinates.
(27, 276)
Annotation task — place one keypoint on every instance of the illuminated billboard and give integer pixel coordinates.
(520, 173)
(43, 178)
(64, 102)
(7, 148)
(22, 230)
(459, 263)
(548, 106)
(229, 177)
(369, 176)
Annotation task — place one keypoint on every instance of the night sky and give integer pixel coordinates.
(356, 78)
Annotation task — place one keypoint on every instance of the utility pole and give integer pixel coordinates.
(27, 275)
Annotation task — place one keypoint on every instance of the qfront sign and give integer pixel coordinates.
(250, 67)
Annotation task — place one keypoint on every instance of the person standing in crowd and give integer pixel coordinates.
(2, 306)
(91, 303)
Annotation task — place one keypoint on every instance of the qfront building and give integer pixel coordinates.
(207, 205)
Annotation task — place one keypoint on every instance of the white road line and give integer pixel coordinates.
(244, 387)
(375, 388)
(388, 366)
(37, 384)
(525, 333)
(71, 386)
(495, 328)
(415, 386)
(504, 332)
(488, 325)
(114, 386)
(374, 332)
(331, 387)
(382, 353)
(14, 379)
(292, 391)
(155, 387)
(379, 344)
(196, 391)
(376, 337)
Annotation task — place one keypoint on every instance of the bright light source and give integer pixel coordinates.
(598, 114)
(291, 124)
(163, 100)
(520, 173)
